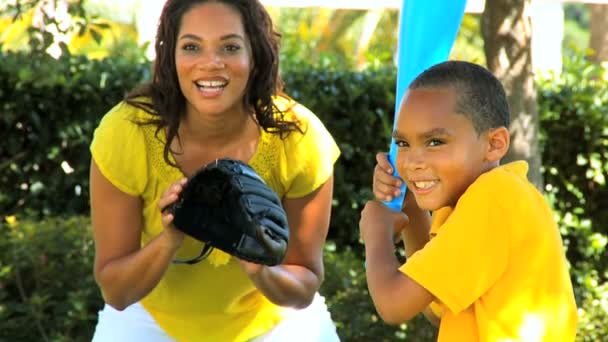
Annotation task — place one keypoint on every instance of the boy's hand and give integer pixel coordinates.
(385, 185)
(379, 222)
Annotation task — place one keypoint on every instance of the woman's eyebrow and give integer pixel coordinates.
(224, 37)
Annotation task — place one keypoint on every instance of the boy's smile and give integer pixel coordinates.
(439, 152)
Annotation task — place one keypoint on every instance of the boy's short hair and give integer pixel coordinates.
(481, 96)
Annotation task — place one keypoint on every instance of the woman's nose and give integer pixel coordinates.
(211, 61)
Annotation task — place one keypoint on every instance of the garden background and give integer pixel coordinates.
(50, 103)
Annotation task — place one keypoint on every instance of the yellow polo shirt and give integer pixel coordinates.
(212, 300)
(496, 265)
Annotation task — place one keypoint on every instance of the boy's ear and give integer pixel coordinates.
(498, 143)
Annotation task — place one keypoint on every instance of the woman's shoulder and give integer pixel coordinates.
(123, 125)
(307, 122)
(119, 148)
(293, 110)
(125, 114)
(306, 155)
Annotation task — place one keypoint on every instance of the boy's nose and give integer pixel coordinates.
(412, 160)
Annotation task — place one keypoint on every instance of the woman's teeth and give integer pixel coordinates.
(211, 84)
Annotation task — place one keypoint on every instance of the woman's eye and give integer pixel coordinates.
(232, 48)
(189, 47)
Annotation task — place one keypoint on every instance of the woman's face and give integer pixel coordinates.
(213, 59)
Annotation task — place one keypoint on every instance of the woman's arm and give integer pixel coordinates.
(295, 282)
(125, 272)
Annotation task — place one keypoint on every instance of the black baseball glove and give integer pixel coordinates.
(227, 205)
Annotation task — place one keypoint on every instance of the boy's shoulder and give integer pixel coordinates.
(500, 187)
(507, 178)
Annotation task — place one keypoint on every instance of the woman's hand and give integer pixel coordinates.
(385, 185)
(174, 236)
(295, 281)
(125, 270)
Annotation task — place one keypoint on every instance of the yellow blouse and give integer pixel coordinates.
(212, 300)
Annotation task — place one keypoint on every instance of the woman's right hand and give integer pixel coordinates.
(174, 236)
(385, 185)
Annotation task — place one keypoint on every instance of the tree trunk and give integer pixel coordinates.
(599, 31)
(507, 33)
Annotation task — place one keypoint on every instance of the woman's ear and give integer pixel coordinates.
(498, 143)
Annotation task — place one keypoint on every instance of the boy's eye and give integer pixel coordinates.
(401, 143)
(436, 142)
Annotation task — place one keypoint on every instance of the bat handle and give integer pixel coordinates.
(397, 202)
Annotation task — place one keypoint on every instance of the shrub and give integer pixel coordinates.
(574, 127)
(48, 111)
(47, 291)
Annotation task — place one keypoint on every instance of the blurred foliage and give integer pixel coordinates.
(116, 39)
(319, 36)
(47, 290)
(61, 27)
(48, 110)
(572, 107)
(39, 26)
(576, 27)
(337, 37)
(469, 43)
(579, 13)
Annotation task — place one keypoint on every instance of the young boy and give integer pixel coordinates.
(490, 265)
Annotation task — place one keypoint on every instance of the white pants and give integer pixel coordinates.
(312, 324)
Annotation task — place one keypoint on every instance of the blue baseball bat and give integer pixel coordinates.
(427, 30)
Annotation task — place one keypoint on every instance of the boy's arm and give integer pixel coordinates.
(385, 186)
(415, 236)
(396, 296)
(431, 317)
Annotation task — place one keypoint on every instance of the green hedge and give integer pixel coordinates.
(49, 108)
(47, 291)
(574, 127)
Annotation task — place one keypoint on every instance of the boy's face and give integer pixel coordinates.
(439, 152)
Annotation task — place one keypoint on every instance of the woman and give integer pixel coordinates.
(215, 93)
